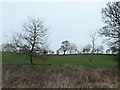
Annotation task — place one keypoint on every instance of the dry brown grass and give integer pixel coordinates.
(64, 76)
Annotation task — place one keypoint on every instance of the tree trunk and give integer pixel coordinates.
(90, 59)
(92, 53)
(119, 58)
(70, 51)
(31, 53)
(119, 68)
(64, 52)
(31, 59)
(119, 53)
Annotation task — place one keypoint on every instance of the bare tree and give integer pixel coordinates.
(35, 36)
(111, 29)
(34, 39)
(93, 37)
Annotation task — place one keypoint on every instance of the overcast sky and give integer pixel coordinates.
(65, 21)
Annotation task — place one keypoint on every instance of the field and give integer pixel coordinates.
(102, 61)
(53, 71)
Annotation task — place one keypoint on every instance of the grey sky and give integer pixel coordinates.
(65, 21)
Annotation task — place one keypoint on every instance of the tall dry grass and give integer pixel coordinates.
(64, 76)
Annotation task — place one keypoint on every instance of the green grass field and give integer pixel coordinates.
(99, 61)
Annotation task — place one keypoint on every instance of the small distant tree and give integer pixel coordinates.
(51, 52)
(58, 51)
(83, 50)
(73, 48)
(100, 49)
(65, 46)
(88, 48)
(108, 51)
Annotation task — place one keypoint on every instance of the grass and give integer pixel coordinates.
(99, 61)
(64, 76)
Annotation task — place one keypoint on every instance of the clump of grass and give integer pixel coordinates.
(62, 76)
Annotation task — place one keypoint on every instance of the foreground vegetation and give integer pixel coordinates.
(64, 76)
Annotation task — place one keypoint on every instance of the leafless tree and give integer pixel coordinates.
(35, 36)
(33, 40)
(93, 37)
(111, 29)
